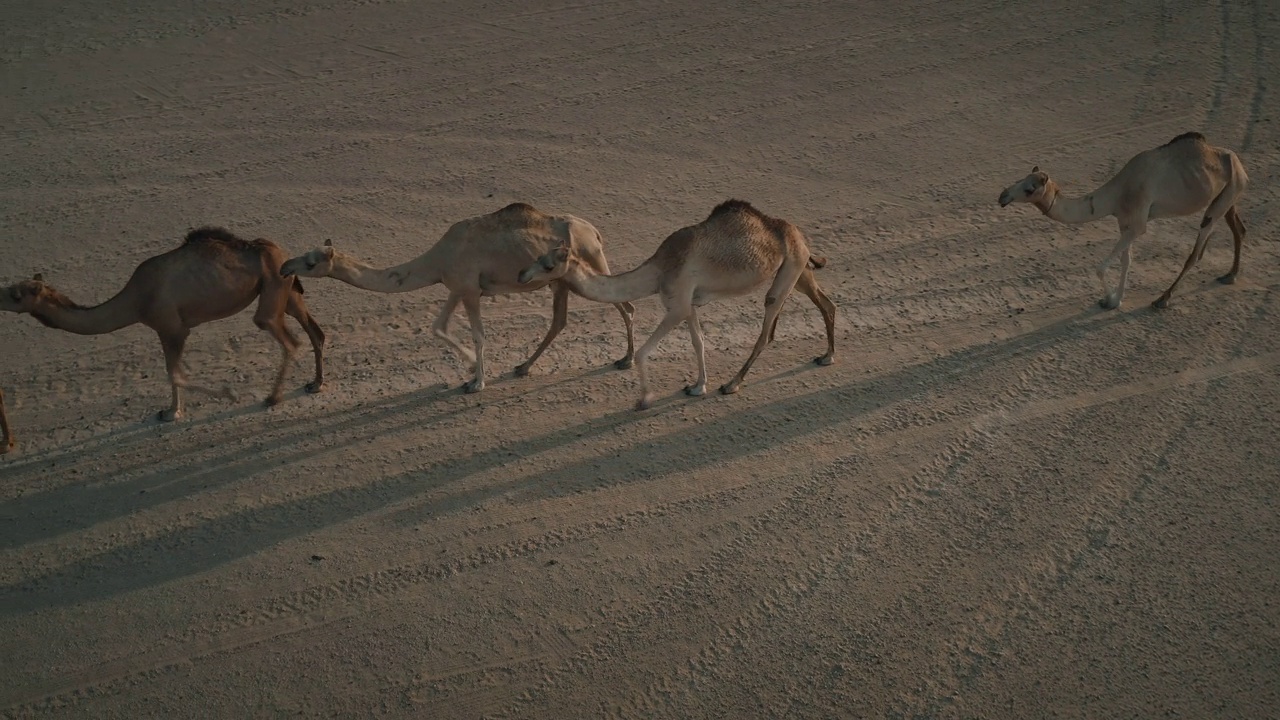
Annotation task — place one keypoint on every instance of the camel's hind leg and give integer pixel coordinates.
(297, 309)
(1237, 235)
(627, 311)
(783, 283)
(808, 285)
(7, 443)
(559, 318)
(699, 386)
(1202, 239)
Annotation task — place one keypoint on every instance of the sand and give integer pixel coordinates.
(1000, 502)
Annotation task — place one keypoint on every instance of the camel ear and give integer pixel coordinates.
(328, 242)
(1035, 169)
(38, 277)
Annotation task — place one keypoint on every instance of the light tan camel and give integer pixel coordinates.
(211, 276)
(7, 444)
(477, 257)
(734, 251)
(1184, 176)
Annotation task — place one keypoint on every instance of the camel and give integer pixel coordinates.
(1184, 176)
(479, 257)
(211, 276)
(6, 443)
(734, 251)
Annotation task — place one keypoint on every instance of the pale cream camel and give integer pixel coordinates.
(212, 275)
(7, 443)
(734, 251)
(477, 257)
(1184, 176)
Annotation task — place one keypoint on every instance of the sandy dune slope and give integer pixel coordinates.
(1001, 501)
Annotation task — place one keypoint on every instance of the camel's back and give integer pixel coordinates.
(519, 233)
(1179, 177)
(735, 236)
(212, 274)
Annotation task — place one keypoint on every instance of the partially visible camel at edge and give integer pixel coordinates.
(478, 257)
(211, 276)
(1184, 176)
(7, 443)
(734, 251)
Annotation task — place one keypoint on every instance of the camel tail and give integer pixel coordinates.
(1237, 181)
(817, 262)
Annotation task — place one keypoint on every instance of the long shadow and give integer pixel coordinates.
(83, 503)
(198, 549)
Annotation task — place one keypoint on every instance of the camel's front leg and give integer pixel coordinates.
(441, 328)
(172, 343)
(472, 304)
(1111, 299)
(7, 444)
(559, 318)
(297, 308)
(699, 387)
(627, 310)
(1237, 236)
(675, 315)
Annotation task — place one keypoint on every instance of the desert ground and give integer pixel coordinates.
(1001, 502)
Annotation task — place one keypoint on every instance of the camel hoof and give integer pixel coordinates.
(643, 404)
(473, 386)
(625, 363)
(824, 360)
(315, 387)
(1228, 279)
(1108, 303)
(1160, 303)
(271, 401)
(695, 390)
(168, 416)
(6, 448)
(728, 389)
(522, 371)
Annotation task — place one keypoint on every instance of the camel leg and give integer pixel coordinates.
(270, 317)
(627, 311)
(1111, 299)
(7, 444)
(675, 316)
(699, 387)
(172, 343)
(472, 304)
(559, 318)
(783, 283)
(297, 309)
(1202, 239)
(808, 285)
(1237, 235)
(441, 328)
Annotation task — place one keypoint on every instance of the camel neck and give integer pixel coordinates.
(1073, 211)
(400, 278)
(634, 284)
(116, 313)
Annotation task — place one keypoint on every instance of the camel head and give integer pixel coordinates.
(29, 296)
(551, 266)
(1029, 189)
(317, 263)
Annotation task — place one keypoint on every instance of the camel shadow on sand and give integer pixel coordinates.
(196, 549)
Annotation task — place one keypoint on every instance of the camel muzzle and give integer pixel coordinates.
(524, 276)
(1005, 199)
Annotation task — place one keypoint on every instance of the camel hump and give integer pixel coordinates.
(734, 206)
(519, 208)
(213, 234)
(1193, 135)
